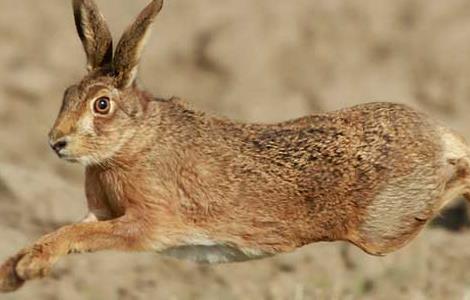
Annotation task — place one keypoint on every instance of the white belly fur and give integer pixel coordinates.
(212, 254)
(204, 250)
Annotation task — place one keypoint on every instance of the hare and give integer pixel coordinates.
(163, 177)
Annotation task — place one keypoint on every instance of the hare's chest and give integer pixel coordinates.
(114, 194)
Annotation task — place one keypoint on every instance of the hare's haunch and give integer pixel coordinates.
(163, 177)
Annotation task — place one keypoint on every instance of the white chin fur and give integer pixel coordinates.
(86, 161)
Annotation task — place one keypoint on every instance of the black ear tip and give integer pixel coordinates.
(80, 2)
(84, 4)
(158, 4)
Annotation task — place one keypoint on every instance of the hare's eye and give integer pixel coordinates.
(102, 105)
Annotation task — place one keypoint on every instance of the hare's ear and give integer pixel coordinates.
(129, 49)
(94, 33)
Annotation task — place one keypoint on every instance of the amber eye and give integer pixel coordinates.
(102, 105)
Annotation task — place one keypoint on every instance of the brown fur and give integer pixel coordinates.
(161, 176)
(94, 33)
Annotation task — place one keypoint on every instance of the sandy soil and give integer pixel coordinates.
(253, 60)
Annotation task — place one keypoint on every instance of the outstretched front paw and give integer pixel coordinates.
(35, 263)
(9, 279)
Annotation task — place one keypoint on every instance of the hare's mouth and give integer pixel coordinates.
(68, 157)
(63, 150)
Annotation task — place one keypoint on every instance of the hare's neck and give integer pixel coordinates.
(178, 129)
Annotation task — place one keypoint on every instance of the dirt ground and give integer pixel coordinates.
(252, 60)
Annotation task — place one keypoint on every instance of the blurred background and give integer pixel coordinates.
(251, 60)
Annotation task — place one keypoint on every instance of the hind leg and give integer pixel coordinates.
(405, 205)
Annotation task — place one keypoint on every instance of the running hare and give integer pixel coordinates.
(163, 177)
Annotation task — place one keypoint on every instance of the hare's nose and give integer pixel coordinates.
(59, 145)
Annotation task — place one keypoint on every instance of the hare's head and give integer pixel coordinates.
(100, 114)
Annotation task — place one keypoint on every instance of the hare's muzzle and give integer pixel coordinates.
(58, 146)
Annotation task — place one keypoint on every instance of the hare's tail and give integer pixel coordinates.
(457, 153)
(466, 194)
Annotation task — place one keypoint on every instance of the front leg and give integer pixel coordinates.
(125, 234)
(9, 279)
